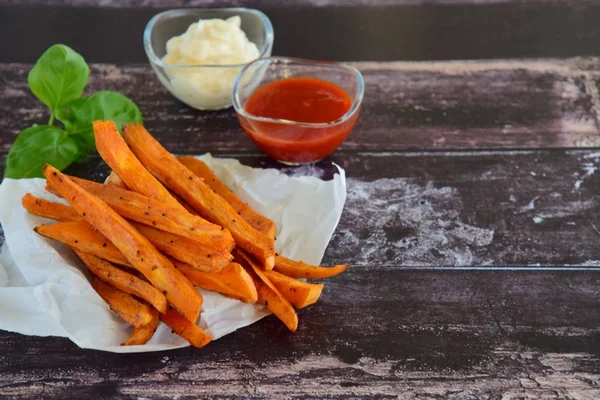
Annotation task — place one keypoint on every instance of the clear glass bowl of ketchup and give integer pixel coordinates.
(297, 111)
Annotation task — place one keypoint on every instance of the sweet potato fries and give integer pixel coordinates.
(159, 227)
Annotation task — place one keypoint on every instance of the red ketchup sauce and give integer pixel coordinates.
(302, 100)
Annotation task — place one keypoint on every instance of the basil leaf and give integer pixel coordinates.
(58, 77)
(80, 114)
(36, 146)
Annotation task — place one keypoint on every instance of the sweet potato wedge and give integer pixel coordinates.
(298, 269)
(256, 220)
(176, 246)
(192, 189)
(268, 294)
(81, 236)
(232, 281)
(299, 293)
(118, 156)
(123, 281)
(184, 203)
(140, 253)
(141, 335)
(139, 208)
(49, 209)
(115, 180)
(124, 305)
(184, 328)
(185, 250)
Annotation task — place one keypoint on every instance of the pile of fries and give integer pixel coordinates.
(161, 225)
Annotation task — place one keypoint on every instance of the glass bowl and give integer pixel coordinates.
(292, 142)
(203, 87)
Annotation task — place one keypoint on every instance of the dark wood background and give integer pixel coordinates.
(456, 170)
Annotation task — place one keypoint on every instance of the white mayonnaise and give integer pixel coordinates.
(208, 42)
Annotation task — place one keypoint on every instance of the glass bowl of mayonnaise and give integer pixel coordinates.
(197, 53)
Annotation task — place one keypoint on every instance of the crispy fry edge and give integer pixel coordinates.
(298, 269)
(268, 293)
(140, 253)
(123, 280)
(115, 152)
(123, 304)
(184, 328)
(143, 334)
(299, 293)
(255, 219)
(192, 189)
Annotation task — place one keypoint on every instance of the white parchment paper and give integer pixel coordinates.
(45, 291)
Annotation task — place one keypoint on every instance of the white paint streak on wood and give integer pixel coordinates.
(411, 224)
(436, 154)
(328, 375)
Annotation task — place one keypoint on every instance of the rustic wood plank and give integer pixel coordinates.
(444, 105)
(375, 334)
(521, 208)
(381, 330)
(347, 31)
(253, 3)
(517, 208)
(469, 209)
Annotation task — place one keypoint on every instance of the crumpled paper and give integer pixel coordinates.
(45, 290)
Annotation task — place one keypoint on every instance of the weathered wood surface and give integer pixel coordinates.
(443, 105)
(469, 209)
(468, 164)
(257, 3)
(381, 331)
(374, 334)
(346, 31)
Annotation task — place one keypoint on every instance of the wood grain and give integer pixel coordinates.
(459, 209)
(453, 164)
(340, 30)
(444, 105)
(498, 208)
(413, 334)
(253, 3)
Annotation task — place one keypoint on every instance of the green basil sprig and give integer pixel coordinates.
(58, 80)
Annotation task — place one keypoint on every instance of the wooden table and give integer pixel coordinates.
(456, 170)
